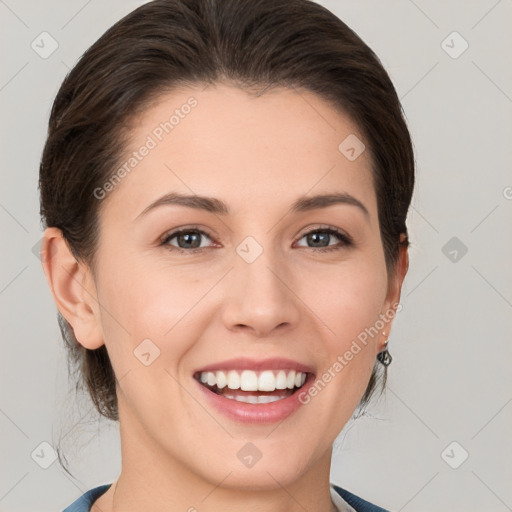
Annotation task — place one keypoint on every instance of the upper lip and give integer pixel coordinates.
(245, 363)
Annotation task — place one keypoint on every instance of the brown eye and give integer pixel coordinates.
(186, 239)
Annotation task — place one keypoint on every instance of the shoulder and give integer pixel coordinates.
(83, 504)
(358, 504)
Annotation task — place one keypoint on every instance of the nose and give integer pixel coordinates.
(260, 298)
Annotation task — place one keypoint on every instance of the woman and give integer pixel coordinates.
(225, 188)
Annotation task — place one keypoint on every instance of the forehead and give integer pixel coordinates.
(248, 151)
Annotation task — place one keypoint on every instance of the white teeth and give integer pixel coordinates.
(221, 380)
(266, 381)
(266, 399)
(252, 399)
(248, 380)
(290, 380)
(281, 380)
(233, 380)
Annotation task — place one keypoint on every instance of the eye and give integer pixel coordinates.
(186, 239)
(193, 240)
(320, 239)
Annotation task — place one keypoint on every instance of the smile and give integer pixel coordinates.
(253, 387)
(254, 391)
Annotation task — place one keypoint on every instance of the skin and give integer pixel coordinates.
(258, 155)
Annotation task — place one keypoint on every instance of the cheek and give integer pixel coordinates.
(147, 303)
(347, 298)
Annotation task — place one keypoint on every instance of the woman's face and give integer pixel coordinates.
(243, 287)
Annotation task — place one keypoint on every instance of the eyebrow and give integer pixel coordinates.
(218, 207)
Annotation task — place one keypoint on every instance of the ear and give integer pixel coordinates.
(73, 288)
(394, 291)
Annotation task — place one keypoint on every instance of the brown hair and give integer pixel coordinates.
(251, 44)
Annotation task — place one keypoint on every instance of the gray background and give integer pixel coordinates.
(450, 380)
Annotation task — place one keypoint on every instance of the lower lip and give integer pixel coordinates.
(256, 413)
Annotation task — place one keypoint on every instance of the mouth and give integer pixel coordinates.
(254, 391)
(254, 386)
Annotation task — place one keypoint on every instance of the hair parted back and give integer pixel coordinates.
(168, 44)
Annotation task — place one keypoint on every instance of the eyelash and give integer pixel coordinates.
(345, 239)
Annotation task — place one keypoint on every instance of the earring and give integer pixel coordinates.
(384, 357)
